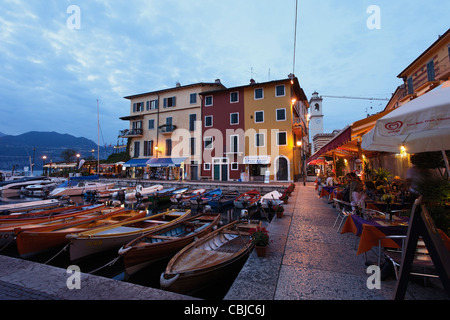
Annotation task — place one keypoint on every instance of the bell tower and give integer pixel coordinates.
(316, 121)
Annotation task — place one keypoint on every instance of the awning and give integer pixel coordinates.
(165, 162)
(342, 138)
(136, 163)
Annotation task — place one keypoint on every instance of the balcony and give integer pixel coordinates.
(299, 127)
(167, 129)
(127, 133)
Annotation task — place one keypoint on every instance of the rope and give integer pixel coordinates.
(10, 241)
(113, 261)
(62, 250)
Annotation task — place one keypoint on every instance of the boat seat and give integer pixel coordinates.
(118, 230)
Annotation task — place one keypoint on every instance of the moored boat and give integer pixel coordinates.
(225, 199)
(38, 240)
(114, 236)
(247, 199)
(207, 260)
(206, 197)
(13, 187)
(164, 243)
(271, 199)
(184, 199)
(29, 206)
(75, 187)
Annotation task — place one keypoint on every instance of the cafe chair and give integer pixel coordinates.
(344, 209)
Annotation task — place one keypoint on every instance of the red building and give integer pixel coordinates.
(223, 133)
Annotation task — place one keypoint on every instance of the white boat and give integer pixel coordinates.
(43, 188)
(80, 188)
(29, 205)
(142, 192)
(271, 199)
(13, 187)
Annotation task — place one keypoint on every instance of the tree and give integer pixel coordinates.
(68, 155)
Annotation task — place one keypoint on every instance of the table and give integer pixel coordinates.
(381, 206)
(371, 231)
(327, 190)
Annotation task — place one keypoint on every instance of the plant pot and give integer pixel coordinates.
(261, 251)
(280, 214)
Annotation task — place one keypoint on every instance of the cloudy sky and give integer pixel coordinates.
(56, 60)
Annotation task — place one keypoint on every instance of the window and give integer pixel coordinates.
(279, 91)
(138, 107)
(137, 125)
(430, 70)
(281, 114)
(234, 118)
(148, 148)
(259, 93)
(192, 140)
(234, 97)
(208, 121)
(193, 98)
(282, 138)
(137, 147)
(207, 166)
(259, 140)
(192, 119)
(410, 85)
(259, 116)
(151, 124)
(234, 143)
(234, 166)
(168, 147)
(208, 143)
(208, 101)
(152, 105)
(169, 102)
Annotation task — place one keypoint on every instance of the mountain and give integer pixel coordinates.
(22, 149)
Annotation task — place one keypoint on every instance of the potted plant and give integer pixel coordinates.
(279, 210)
(388, 199)
(260, 239)
(284, 197)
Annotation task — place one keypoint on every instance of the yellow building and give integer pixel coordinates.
(275, 119)
(163, 125)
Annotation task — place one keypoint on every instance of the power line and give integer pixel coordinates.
(360, 98)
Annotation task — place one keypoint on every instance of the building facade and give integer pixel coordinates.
(316, 121)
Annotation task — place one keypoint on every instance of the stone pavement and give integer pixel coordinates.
(309, 260)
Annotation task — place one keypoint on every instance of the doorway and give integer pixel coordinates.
(282, 169)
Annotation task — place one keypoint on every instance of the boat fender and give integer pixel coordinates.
(166, 283)
(123, 250)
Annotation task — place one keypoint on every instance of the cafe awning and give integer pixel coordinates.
(136, 163)
(165, 162)
(343, 137)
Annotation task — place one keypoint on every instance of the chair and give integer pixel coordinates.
(344, 210)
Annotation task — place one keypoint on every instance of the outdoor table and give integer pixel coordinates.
(327, 190)
(371, 231)
(381, 206)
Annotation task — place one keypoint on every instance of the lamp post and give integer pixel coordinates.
(43, 164)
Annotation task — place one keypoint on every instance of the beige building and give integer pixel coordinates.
(164, 136)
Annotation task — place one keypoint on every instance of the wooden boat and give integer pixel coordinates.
(164, 243)
(223, 200)
(185, 198)
(206, 197)
(271, 199)
(42, 188)
(142, 192)
(160, 196)
(248, 199)
(207, 260)
(14, 187)
(41, 215)
(7, 233)
(38, 240)
(6, 209)
(114, 236)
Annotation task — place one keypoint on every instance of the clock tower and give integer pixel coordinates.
(316, 122)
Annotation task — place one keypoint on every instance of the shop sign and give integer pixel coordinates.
(257, 160)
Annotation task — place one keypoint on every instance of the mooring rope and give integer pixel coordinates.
(62, 250)
(113, 261)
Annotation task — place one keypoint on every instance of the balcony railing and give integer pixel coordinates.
(127, 133)
(167, 128)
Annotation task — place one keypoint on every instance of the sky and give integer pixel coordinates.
(59, 57)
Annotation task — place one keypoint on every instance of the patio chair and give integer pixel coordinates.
(344, 210)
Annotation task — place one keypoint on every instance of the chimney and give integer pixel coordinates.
(178, 84)
(217, 81)
(252, 81)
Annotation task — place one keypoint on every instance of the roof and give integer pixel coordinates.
(199, 84)
(441, 38)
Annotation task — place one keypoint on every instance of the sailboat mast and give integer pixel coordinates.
(98, 141)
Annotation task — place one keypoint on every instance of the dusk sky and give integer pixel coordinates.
(56, 63)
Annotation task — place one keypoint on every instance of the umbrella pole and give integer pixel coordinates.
(444, 155)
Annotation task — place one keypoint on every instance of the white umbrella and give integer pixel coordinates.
(422, 125)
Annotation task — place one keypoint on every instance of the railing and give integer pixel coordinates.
(130, 133)
(167, 128)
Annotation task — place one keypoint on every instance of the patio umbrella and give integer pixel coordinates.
(422, 125)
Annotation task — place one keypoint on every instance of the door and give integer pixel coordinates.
(224, 172)
(216, 172)
(282, 169)
(194, 172)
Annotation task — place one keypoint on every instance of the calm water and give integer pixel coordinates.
(98, 264)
